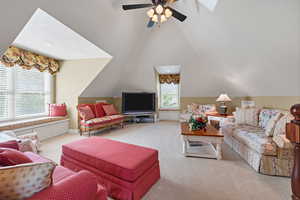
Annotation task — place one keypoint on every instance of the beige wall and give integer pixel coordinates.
(73, 79)
(279, 102)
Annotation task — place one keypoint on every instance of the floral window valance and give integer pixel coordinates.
(169, 78)
(27, 60)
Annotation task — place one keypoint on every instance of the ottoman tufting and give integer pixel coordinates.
(127, 171)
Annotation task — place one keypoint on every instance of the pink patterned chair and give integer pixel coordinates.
(67, 184)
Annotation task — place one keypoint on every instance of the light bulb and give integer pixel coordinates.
(168, 13)
(159, 9)
(163, 18)
(155, 18)
(150, 12)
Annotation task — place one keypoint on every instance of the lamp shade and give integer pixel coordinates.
(223, 98)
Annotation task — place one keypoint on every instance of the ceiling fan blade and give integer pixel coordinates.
(136, 6)
(181, 17)
(150, 23)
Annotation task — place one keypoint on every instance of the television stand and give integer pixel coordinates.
(141, 117)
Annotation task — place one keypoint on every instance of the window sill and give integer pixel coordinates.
(16, 124)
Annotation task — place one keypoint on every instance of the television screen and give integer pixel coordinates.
(138, 102)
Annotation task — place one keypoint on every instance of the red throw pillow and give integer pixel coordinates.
(99, 109)
(9, 157)
(110, 109)
(86, 113)
(57, 110)
(13, 144)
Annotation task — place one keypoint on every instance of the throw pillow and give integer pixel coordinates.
(13, 144)
(265, 115)
(9, 157)
(99, 109)
(22, 181)
(281, 124)
(110, 109)
(192, 107)
(271, 124)
(57, 110)
(247, 116)
(86, 113)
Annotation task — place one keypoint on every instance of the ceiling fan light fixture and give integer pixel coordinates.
(163, 18)
(159, 9)
(150, 13)
(168, 13)
(155, 18)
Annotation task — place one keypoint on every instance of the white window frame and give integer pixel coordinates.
(49, 88)
(160, 99)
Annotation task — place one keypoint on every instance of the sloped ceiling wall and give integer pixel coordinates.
(248, 47)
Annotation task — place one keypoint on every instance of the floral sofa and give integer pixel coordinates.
(258, 136)
(194, 108)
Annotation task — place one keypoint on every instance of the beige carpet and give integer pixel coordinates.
(189, 178)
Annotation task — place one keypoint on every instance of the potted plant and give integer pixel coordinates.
(198, 122)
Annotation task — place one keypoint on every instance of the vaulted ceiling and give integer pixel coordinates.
(248, 47)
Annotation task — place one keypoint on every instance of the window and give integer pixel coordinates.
(169, 96)
(23, 93)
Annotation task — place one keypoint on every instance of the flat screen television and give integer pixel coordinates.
(138, 102)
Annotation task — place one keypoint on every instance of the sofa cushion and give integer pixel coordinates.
(96, 121)
(265, 115)
(99, 109)
(91, 105)
(110, 109)
(116, 117)
(22, 181)
(10, 157)
(86, 113)
(281, 124)
(255, 138)
(247, 116)
(271, 124)
(122, 160)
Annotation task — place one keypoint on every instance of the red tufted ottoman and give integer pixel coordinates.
(127, 171)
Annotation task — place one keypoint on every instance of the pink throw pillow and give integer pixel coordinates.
(57, 110)
(9, 157)
(110, 109)
(13, 144)
(99, 109)
(86, 113)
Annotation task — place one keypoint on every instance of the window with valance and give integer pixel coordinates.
(15, 56)
(169, 91)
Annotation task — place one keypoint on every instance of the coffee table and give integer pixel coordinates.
(200, 143)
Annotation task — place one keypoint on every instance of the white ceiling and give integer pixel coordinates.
(45, 35)
(243, 47)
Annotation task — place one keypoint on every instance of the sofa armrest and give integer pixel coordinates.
(82, 185)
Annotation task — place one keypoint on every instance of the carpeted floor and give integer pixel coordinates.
(189, 178)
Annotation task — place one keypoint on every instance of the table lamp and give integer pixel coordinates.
(223, 98)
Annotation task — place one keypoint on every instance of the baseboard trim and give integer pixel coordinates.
(73, 131)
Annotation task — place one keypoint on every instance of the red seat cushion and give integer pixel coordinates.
(110, 109)
(9, 157)
(122, 160)
(57, 110)
(99, 109)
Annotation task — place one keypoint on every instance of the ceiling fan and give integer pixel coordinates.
(160, 11)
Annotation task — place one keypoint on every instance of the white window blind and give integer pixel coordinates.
(3, 92)
(169, 96)
(23, 93)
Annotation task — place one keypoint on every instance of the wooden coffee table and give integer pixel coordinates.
(204, 144)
